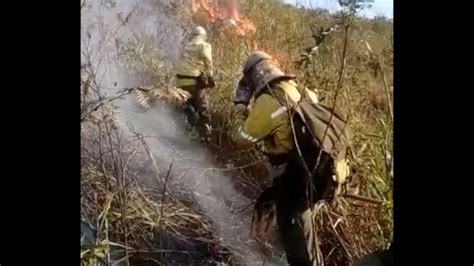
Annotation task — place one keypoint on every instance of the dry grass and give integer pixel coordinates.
(123, 210)
(126, 212)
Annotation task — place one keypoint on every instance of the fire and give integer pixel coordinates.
(207, 7)
(243, 25)
(227, 13)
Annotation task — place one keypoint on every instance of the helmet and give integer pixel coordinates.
(254, 58)
(260, 69)
(199, 31)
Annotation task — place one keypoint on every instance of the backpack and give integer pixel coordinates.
(322, 136)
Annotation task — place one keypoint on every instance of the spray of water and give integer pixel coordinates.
(105, 25)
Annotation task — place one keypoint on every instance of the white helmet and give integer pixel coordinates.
(199, 31)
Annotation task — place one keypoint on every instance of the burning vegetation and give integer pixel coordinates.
(226, 12)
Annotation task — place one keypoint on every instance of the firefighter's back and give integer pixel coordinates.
(192, 62)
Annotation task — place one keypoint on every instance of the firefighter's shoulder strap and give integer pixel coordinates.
(327, 128)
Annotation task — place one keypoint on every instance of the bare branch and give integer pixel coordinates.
(88, 111)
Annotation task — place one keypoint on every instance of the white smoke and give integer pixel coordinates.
(193, 170)
(105, 25)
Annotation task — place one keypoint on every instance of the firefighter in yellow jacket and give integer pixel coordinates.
(194, 71)
(268, 126)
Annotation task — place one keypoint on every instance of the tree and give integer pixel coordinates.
(355, 5)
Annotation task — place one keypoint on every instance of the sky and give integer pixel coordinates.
(379, 7)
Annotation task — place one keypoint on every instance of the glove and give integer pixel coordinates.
(342, 171)
(243, 94)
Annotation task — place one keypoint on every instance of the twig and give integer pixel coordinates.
(362, 198)
(177, 251)
(150, 154)
(229, 168)
(104, 101)
(341, 241)
(122, 259)
(338, 88)
(163, 195)
(243, 208)
(384, 79)
(312, 187)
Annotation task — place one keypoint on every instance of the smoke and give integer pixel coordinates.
(106, 26)
(194, 173)
(113, 29)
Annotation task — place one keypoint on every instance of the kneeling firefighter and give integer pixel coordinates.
(194, 73)
(305, 144)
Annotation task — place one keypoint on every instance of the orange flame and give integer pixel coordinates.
(211, 11)
(227, 13)
(243, 25)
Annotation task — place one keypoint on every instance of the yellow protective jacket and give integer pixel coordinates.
(267, 124)
(195, 60)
